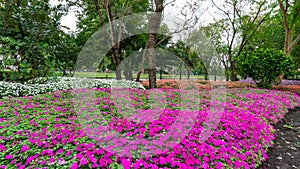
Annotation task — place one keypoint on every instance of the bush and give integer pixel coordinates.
(264, 66)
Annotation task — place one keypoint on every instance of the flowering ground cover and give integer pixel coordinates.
(42, 85)
(284, 81)
(291, 88)
(287, 85)
(200, 84)
(90, 128)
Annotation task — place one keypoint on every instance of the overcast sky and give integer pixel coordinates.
(207, 16)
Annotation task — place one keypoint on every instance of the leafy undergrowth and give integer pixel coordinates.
(131, 128)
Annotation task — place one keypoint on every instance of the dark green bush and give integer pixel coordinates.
(264, 66)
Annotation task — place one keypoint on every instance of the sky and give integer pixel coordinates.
(70, 19)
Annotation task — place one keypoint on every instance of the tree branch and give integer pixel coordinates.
(294, 43)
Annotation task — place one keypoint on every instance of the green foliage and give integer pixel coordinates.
(30, 37)
(271, 35)
(264, 65)
(188, 56)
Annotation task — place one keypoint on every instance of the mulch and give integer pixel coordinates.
(285, 153)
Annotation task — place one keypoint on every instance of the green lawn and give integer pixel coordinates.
(112, 75)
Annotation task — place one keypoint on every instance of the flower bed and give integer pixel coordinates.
(291, 88)
(44, 85)
(48, 131)
(288, 85)
(200, 84)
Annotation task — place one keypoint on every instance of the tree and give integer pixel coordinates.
(207, 43)
(241, 21)
(271, 34)
(66, 52)
(291, 19)
(189, 60)
(29, 35)
(190, 13)
(154, 24)
(97, 13)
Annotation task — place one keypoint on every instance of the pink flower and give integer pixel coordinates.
(21, 167)
(103, 162)
(205, 166)
(126, 163)
(2, 148)
(68, 153)
(30, 158)
(79, 156)
(74, 165)
(83, 161)
(54, 142)
(61, 161)
(92, 159)
(8, 156)
(94, 165)
(52, 160)
(63, 141)
(49, 152)
(25, 148)
(13, 161)
(59, 151)
(43, 162)
(219, 165)
(205, 159)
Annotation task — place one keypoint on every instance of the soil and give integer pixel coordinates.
(285, 153)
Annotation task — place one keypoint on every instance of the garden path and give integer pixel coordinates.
(285, 153)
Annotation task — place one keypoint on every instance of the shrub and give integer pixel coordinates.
(264, 66)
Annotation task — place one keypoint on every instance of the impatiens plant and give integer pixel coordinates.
(90, 128)
(51, 84)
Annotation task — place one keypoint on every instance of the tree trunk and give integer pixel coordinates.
(73, 72)
(154, 24)
(118, 74)
(128, 74)
(180, 71)
(205, 74)
(151, 67)
(116, 60)
(160, 74)
(116, 49)
(138, 76)
(64, 70)
(226, 70)
(232, 69)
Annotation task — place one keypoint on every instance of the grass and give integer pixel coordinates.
(143, 76)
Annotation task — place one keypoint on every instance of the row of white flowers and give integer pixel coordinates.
(44, 85)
